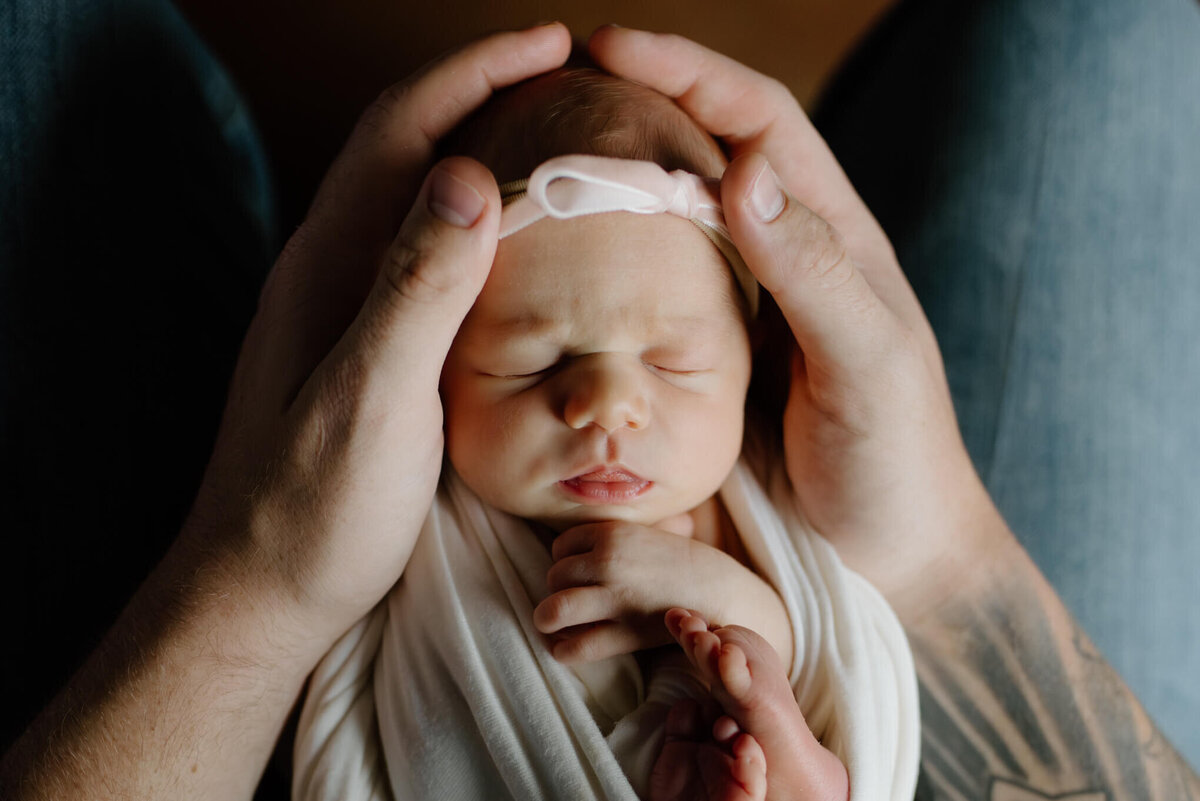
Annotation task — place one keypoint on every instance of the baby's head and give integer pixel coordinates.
(602, 373)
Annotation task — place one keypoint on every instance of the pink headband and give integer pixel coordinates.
(574, 186)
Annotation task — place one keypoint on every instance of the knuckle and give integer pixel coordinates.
(300, 244)
(412, 275)
(377, 117)
(559, 547)
(342, 390)
(554, 610)
(608, 546)
(342, 408)
(825, 258)
(560, 576)
(586, 647)
(672, 41)
(777, 92)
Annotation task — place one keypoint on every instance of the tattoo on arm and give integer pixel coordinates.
(1018, 705)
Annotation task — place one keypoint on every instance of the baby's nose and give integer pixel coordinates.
(607, 390)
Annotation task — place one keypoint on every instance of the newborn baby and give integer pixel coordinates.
(602, 376)
(599, 472)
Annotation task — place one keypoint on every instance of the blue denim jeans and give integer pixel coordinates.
(1035, 164)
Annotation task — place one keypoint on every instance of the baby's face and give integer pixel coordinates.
(601, 375)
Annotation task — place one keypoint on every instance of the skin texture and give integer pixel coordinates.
(761, 747)
(541, 386)
(871, 443)
(879, 468)
(607, 340)
(301, 525)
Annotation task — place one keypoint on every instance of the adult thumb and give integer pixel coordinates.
(429, 277)
(837, 318)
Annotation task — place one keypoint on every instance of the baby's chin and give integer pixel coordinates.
(675, 520)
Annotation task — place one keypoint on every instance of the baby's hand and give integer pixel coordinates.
(611, 584)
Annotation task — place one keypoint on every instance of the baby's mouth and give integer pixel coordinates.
(606, 485)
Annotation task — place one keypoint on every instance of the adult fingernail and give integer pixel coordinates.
(766, 196)
(545, 23)
(454, 200)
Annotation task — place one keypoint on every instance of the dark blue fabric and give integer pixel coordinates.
(136, 225)
(1037, 166)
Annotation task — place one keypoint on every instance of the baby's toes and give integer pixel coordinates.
(752, 678)
(725, 729)
(734, 671)
(704, 650)
(749, 767)
(684, 720)
(683, 621)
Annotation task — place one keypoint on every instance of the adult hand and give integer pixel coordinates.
(331, 445)
(325, 464)
(872, 446)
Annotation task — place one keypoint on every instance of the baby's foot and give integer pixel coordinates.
(697, 765)
(748, 680)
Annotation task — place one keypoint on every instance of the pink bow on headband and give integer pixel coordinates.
(578, 185)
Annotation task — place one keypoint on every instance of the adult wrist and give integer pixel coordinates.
(198, 653)
(240, 596)
(974, 557)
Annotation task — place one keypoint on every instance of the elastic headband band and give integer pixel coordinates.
(575, 186)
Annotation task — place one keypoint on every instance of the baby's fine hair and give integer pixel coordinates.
(579, 109)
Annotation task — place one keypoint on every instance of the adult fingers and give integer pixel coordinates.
(371, 184)
(755, 113)
(427, 283)
(748, 110)
(328, 265)
(839, 322)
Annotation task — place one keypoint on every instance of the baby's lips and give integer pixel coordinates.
(609, 475)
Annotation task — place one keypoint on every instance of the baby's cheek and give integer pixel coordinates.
(490, 445)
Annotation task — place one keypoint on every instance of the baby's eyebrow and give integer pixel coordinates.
(524, 325)
(536, 326)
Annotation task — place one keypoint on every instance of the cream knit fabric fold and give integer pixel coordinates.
(447, 691)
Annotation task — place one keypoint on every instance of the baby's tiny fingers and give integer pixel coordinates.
(573, 607)
(573, 571)
(601, 641)
(577, 540)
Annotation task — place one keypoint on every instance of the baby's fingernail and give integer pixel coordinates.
(766, 196)
(454, 200)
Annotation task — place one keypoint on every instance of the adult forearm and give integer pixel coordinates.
(1014, 695)
(184, 699)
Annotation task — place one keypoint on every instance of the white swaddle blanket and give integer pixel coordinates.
(447, 691)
